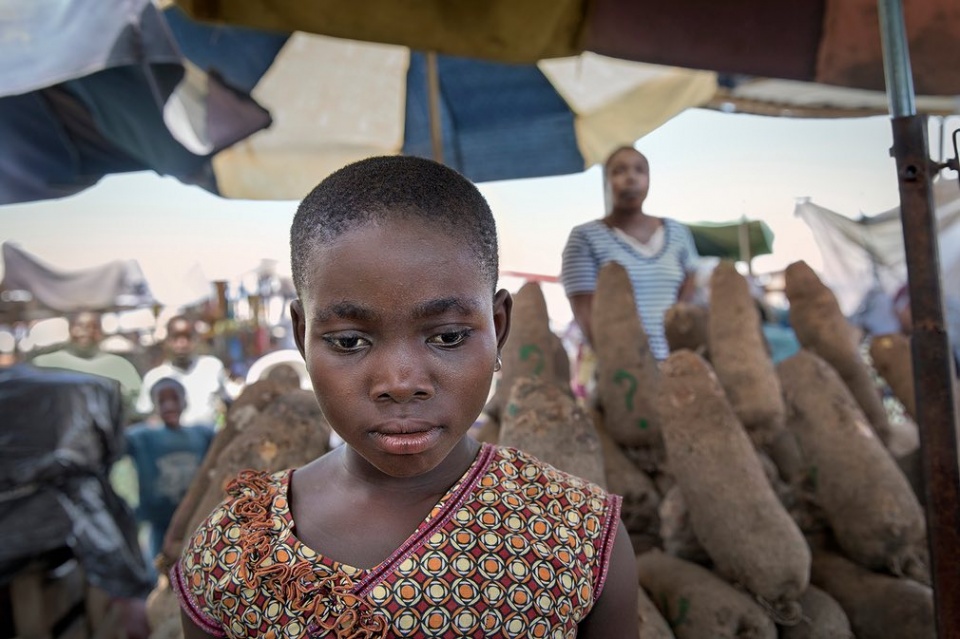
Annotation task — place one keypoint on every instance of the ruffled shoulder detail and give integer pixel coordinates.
(326, 602)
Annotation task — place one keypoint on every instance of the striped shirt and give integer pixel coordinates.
(656, 279)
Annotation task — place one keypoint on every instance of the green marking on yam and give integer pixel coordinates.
(682, 611)
(530, 350)
(622, 375)
(512, 410)
(643, 423)
(683, 607)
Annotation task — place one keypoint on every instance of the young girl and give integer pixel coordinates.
(410, 528)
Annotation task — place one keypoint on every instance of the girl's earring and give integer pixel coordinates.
(498, 365)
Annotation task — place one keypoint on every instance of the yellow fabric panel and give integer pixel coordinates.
(333, 102)
(243, 174)
(642, 110)
(500, 30)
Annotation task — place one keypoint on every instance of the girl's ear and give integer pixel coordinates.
(299, 325)
(502, 308)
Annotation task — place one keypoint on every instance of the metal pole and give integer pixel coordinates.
(743, 238)
(896, 59)
(433, 89)
(933, 371)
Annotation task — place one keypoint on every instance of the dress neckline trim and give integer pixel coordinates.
(365, 579)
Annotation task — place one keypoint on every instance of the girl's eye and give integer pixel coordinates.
(346, 343)
(450, 338)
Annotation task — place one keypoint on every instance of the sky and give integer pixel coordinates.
(705, 166)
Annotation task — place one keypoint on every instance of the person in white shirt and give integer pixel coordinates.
(203, 376)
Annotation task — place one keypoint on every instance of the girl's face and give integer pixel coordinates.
(627, 179)
(399, 331)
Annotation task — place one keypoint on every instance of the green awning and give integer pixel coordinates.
(742, 240)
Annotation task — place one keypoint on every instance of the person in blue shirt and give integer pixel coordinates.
(166, 457)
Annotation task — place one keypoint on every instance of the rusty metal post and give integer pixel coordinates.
(933, 373)
(933, 367)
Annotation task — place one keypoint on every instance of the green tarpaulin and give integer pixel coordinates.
(741, 240)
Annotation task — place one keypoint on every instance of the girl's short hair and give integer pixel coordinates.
(394, 186)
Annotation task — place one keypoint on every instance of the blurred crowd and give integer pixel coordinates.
(170, 402)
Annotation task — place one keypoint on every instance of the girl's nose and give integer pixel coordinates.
(400, 375)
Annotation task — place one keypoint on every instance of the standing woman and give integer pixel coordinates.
(658, 253)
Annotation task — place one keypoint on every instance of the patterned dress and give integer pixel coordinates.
(516, 548)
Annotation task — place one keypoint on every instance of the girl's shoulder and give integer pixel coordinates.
(260, 483)
(253, 498)
(552, 508)
(531, 479)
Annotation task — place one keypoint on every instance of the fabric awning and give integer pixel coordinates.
(40, 290)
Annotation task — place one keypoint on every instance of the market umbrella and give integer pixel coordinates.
(509, 110)
(334, 101)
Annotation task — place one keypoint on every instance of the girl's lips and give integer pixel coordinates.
(411, 442)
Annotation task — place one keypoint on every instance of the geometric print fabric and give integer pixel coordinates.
(516, 548)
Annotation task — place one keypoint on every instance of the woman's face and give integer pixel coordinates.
(627, 178)
(399, 330)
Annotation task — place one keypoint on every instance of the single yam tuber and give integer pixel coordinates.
(735, 513)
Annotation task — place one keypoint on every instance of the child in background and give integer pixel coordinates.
(411, 528)
(166, 457)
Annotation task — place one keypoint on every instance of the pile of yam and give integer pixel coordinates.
(744, 478)
(762, 501)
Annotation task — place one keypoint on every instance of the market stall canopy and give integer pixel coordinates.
(335, 101)
(831, 41)
(739, 240)
(862, 253)
(90, 88)
(31, 289)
